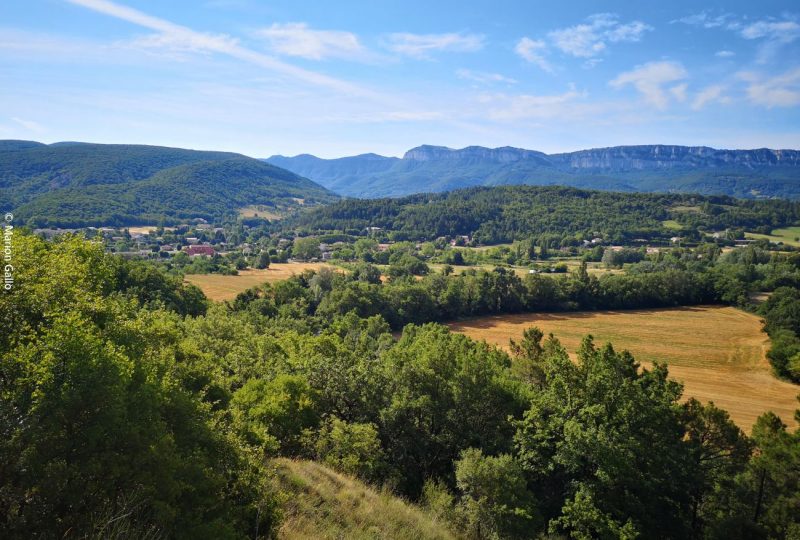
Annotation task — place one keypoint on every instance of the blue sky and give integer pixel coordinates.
(346, 77)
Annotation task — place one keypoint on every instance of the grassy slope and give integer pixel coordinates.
(324, 504)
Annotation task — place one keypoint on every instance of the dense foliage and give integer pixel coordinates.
(77, 184)
(503, 214)
(128, 402)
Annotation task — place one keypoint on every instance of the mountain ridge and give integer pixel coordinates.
(753, 173)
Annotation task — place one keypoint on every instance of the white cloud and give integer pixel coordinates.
(420, 45)
(591, 38)
(779, 91)
(708, 95)
(649, 79)
(705, 20)
(172, 35)
(515, 107)
(679, 91)
(29, 125)
(297, 39)
(532, 51)
(780, 31)
(484, 77)
(725, 54)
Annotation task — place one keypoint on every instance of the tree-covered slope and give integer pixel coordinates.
(649, 168)
(74, 184)
(504, 213)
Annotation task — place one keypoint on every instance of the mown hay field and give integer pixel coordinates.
(218, 287)
(719, 353)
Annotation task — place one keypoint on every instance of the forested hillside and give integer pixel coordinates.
(502, 214)
(650, 168)
(80, 184)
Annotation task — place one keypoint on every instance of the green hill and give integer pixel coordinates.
(79, 184)
(324, 504)
(505, 213)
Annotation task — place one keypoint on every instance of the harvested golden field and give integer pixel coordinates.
(218, 287)
(325, 504)
(717, 352)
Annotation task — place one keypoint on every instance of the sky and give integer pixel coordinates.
(337, 78)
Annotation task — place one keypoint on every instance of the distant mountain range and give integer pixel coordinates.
(80, 184)
(761, 173)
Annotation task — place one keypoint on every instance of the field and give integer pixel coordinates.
(265, 212)
(717, 352)
(218, 287)
(788, 236)
(325, 504)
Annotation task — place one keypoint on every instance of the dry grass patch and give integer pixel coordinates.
(324, 504)
(257, 210)
(218, 287)
(719, 353)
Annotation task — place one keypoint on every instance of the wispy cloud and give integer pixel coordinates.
(679, 91)
(484, 77)
(504, 107)
(650, 80)
(533, 51)
(773, 35)
(781, 31)
(176, 36)
(706, 20)
(592, 37)
(709, 94)
(422, 45)
(29, 125)
(725, 54)
(780, 91)
(297, 39)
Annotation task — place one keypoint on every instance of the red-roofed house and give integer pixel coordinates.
(206, 251)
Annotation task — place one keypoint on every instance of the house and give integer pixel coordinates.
(192, 240)
(383, 247)
(167, 247)
(204, 251)
(652, 250)
(327, 256)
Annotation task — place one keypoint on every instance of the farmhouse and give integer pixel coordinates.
(204, 251)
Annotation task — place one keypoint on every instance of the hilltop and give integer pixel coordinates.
(79, 184)
(650, 168)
